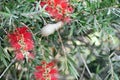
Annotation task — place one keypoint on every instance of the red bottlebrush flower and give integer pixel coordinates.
(70, 9)
(21, 41)
(64, 5)
(25, 54)
(43, 3)
(56, 2)
(13, 39)
(22, 29)
(50, 64)
(19, 56)
(31, 56)
(28, 44)
(59, 16)
(58, 9)
(49, 9)
(67, 19)
(46, 72)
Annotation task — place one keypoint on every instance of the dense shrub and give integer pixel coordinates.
(59, 39)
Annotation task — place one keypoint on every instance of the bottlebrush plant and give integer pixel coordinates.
(60, 10)
(22, 42)
(46, 71)
(59, 39)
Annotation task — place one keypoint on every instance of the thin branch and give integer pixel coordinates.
(111, 66)
(31, 13)
(81, 77)
(86, 65)
(112, 72)
(61, 42)
(64, 51)
(45, 23)
(13, 60)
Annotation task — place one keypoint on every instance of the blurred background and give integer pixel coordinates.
(87, 48)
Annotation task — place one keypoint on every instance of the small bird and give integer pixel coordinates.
(51, 28)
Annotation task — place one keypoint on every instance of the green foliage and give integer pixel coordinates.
(86, 49)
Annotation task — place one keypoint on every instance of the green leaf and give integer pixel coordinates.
(73, 69)
(4, 61)
(8, 10)
(31, 0)
(116, 76)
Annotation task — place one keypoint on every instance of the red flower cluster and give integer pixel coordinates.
(46, 71)
(21, 41)
(58, 9)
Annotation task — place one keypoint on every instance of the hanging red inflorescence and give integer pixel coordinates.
(46, 71)
(22, 42)
(58, 9)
